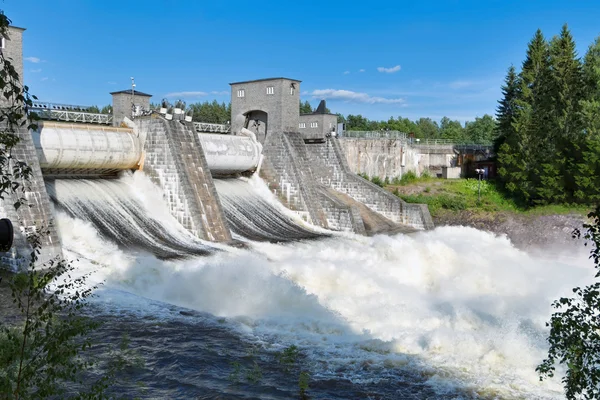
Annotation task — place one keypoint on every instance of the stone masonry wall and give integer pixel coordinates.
(174, 159)
(281, 106)
(13, 50)
(340, 217)
(288, 176)
(38, 217)
(337, 175)
(121, 104)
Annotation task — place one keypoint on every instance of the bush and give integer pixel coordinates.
(376, 180)
(408, 178)
(574, 329)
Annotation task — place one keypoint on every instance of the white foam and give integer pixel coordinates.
(460, 306)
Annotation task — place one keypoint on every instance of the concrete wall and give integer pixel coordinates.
(391, 158)
(335, 173)
(175, 161)
(281, 107)
(374, 157)
(121, 103)
(326, 123)
(37, 217)
(451, 172)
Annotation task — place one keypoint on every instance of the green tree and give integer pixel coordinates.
(305, 108)
(106, 109)
(526, 154)
(587, 173)
(211, 112)
(93, 109)
(560, 115)
(451, 130)
(506, 110)
(428, 128)
(575, 330)
(481, 130)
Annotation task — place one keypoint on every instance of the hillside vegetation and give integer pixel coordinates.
(445, 196)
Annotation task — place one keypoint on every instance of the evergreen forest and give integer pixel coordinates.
(548, 124)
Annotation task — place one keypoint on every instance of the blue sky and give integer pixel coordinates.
(379, 59)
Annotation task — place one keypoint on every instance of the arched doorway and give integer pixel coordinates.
(257, 122)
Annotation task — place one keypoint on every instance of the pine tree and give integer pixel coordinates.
(505, 113)
(561, 118)
(587, 176)
(528, 127)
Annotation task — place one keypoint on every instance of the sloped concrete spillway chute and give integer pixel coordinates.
(71, 149)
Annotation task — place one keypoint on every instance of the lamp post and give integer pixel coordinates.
(132, 98)
(479, 172)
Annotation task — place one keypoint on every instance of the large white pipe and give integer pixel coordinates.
(230, 154)
(74, 146)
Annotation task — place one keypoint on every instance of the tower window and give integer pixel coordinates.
(241, 93)
(302, 124)
(314, 125)
(270, 90)
(292, 90)
(2, 43)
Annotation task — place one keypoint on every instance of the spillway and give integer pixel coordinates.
(252, 212)
(115, 208)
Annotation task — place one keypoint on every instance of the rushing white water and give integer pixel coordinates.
(461, 307)
(128, 210)
(253, 213)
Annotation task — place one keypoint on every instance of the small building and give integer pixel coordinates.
(265, 105)
(127, 103)
(318, 124)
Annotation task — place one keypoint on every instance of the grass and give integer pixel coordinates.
(451, 195)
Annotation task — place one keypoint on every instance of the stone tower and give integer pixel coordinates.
(124, 101)
(265, 106)
(12, 48)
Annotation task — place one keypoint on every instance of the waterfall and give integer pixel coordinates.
(117, 208)
(253, 213)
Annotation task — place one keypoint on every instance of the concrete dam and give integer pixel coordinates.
(263, 178)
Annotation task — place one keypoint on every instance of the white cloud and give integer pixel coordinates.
(361, 70)
(349, 95)
(346, 72)
(112, 82)
(35, 71)
(186, 94)
(34, 60)
(389, 70)
(220, 92)
(44, 79)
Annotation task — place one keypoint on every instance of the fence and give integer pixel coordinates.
(374, 135)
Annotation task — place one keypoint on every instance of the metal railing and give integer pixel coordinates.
(73, 116)
(45, 105)
(449, 142)
(211, 128)
(374, 135)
